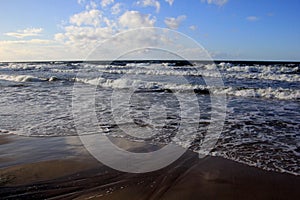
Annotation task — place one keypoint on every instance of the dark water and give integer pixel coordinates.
(262, 117)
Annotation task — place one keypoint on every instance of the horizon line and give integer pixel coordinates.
(157, 60)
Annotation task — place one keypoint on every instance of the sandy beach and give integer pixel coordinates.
(62, 169)
(149, 100)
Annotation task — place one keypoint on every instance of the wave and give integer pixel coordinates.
(21, 78)
(274, 69)
(273, 77)
(270, 93)
(224, 70)
(230, 74)
(26, 78)
(6, 132)
(257, 164)
(23, 66)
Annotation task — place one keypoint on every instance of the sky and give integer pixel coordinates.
(42, 30)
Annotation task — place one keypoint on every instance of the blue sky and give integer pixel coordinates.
(228, 29)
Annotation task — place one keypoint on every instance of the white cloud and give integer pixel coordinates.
(81, 2)
(135, 19)
(91, 5)
(116, 9)
(173, 23)
(60, 37)
(170, 2)
(91, 17)
(31, 50)
(148, 43)
(252, 18)
(193, 27)
(216, 2)
(76, 35)
(105, 3)
(84, 31)
(81, 40)
(25, 33)
(32, 41)
(146, 3)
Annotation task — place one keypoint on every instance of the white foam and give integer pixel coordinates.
(23, 66)
(252, 163)
(258, 68)
(228, 71)
(271, 93)
(26, 78)
(21, 78)
(7, 132)
(265, 76)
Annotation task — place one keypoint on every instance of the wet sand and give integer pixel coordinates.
(73, 174)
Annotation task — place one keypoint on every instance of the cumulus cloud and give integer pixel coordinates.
(170, 2)
(88, 28)
(91, 17)
(105, 3)
(252, 18)
(81, 2)
(81, 33)
(60, 37)
(32, 41)
(173, 23)
(81, 36)
(85, 30)
(193, 27)
(116, 9)
(146, 3)
(91, 5)
(216, 2)
(135, 19)
(33, 50)
(25, 33)
(81, 40)
(148, 43)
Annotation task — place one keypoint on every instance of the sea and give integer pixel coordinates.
(261, 120)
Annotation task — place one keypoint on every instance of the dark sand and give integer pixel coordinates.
(72, 174)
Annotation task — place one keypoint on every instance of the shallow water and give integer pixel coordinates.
(262, 118)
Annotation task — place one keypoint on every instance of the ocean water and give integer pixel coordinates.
(262, 117)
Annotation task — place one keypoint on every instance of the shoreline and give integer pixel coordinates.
(77, 175)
